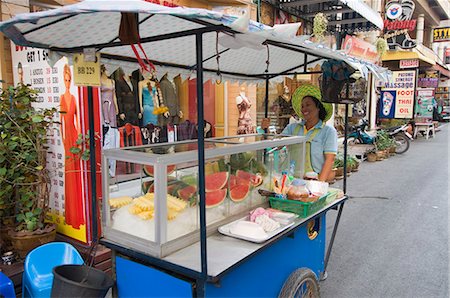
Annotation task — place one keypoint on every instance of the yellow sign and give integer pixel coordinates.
(441, 34)
(86, 73)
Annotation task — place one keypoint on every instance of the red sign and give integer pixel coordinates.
(410, 63)
(163, 3)
(410, 25)
(356, 47)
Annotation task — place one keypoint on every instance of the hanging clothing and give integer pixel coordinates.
(245, 125)
(130, 135)
(108, 106)
(148, 98)
(111, 140)
(170, 98)
(127, 103)
(73, 196)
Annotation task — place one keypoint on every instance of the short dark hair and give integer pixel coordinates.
(319, 105)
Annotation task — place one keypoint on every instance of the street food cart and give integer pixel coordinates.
(180, 247)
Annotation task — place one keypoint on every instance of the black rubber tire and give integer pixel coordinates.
(404, 141)
(293, 286)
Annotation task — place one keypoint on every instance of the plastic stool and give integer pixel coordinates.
(6, 286)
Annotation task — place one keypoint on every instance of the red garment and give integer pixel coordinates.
(130, 135)
(73, 206)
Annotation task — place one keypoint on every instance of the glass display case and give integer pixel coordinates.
(151, 205)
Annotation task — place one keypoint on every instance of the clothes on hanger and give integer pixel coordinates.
(245, 125)
(126, 100)
(170, 100)
(130, 135)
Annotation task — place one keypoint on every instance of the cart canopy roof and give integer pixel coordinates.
(246, 50)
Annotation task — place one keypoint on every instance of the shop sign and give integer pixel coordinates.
(430, 79)
(163, 3)
(441, 34)
(397, 95)
(86, 73)
(398, 21)
(358, 48)
(447, 56)
(424, 103)
(409, 63)
(53, 84)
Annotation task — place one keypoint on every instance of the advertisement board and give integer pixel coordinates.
(409, 63)
(69, 204)
(441, 34)
(359, 48)
(424, 104)
(397, 95)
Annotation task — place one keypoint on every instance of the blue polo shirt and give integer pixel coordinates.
(325, 141)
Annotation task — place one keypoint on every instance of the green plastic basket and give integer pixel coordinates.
(301, 208)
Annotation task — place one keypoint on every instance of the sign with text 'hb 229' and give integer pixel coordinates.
(86, 73)
(397, 95)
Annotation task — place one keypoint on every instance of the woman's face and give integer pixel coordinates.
(309, 109)
(67, 80)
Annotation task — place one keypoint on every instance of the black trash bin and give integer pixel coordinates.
(80, 281)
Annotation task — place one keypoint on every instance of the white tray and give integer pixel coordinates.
(225, 230)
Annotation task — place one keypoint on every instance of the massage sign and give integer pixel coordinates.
(398, 22)
(397, 95)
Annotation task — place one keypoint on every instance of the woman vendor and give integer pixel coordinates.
(321, 139)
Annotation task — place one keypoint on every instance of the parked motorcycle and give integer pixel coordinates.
(402, 138)
(359, 135)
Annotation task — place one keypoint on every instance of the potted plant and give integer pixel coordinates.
(353, 162)
(339, 166)
(372, 155)
(24, 177)
(382, 143)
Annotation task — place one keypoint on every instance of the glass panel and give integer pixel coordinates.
(175, 147)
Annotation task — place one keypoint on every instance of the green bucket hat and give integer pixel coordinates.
(309, 90)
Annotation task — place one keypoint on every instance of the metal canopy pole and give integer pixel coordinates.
(201, 166)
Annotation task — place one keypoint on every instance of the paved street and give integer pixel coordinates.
(393, 240)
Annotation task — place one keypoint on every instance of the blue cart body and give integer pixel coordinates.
(260, 275)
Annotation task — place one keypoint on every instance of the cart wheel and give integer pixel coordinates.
(301, 283)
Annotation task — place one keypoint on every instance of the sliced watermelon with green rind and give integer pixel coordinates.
(255, 180)
(215, 198)
(216, 181)
(186, 193)
(239, 192)
(234, 181)
(149, 171)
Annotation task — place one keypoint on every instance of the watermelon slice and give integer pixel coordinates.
(215, 198)
(239, 192)
(148, 170)
(146, 185)
(186, 193)
(234, 181)
(216, 181)
(255, 180)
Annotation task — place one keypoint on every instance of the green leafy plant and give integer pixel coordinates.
(383, 140)
(320, 25)
(338, 161)
(81, 150)
(24, 177)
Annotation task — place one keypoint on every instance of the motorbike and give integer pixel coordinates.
(359, 135)
(401, 136)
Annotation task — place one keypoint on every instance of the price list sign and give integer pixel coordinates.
(54, 85)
